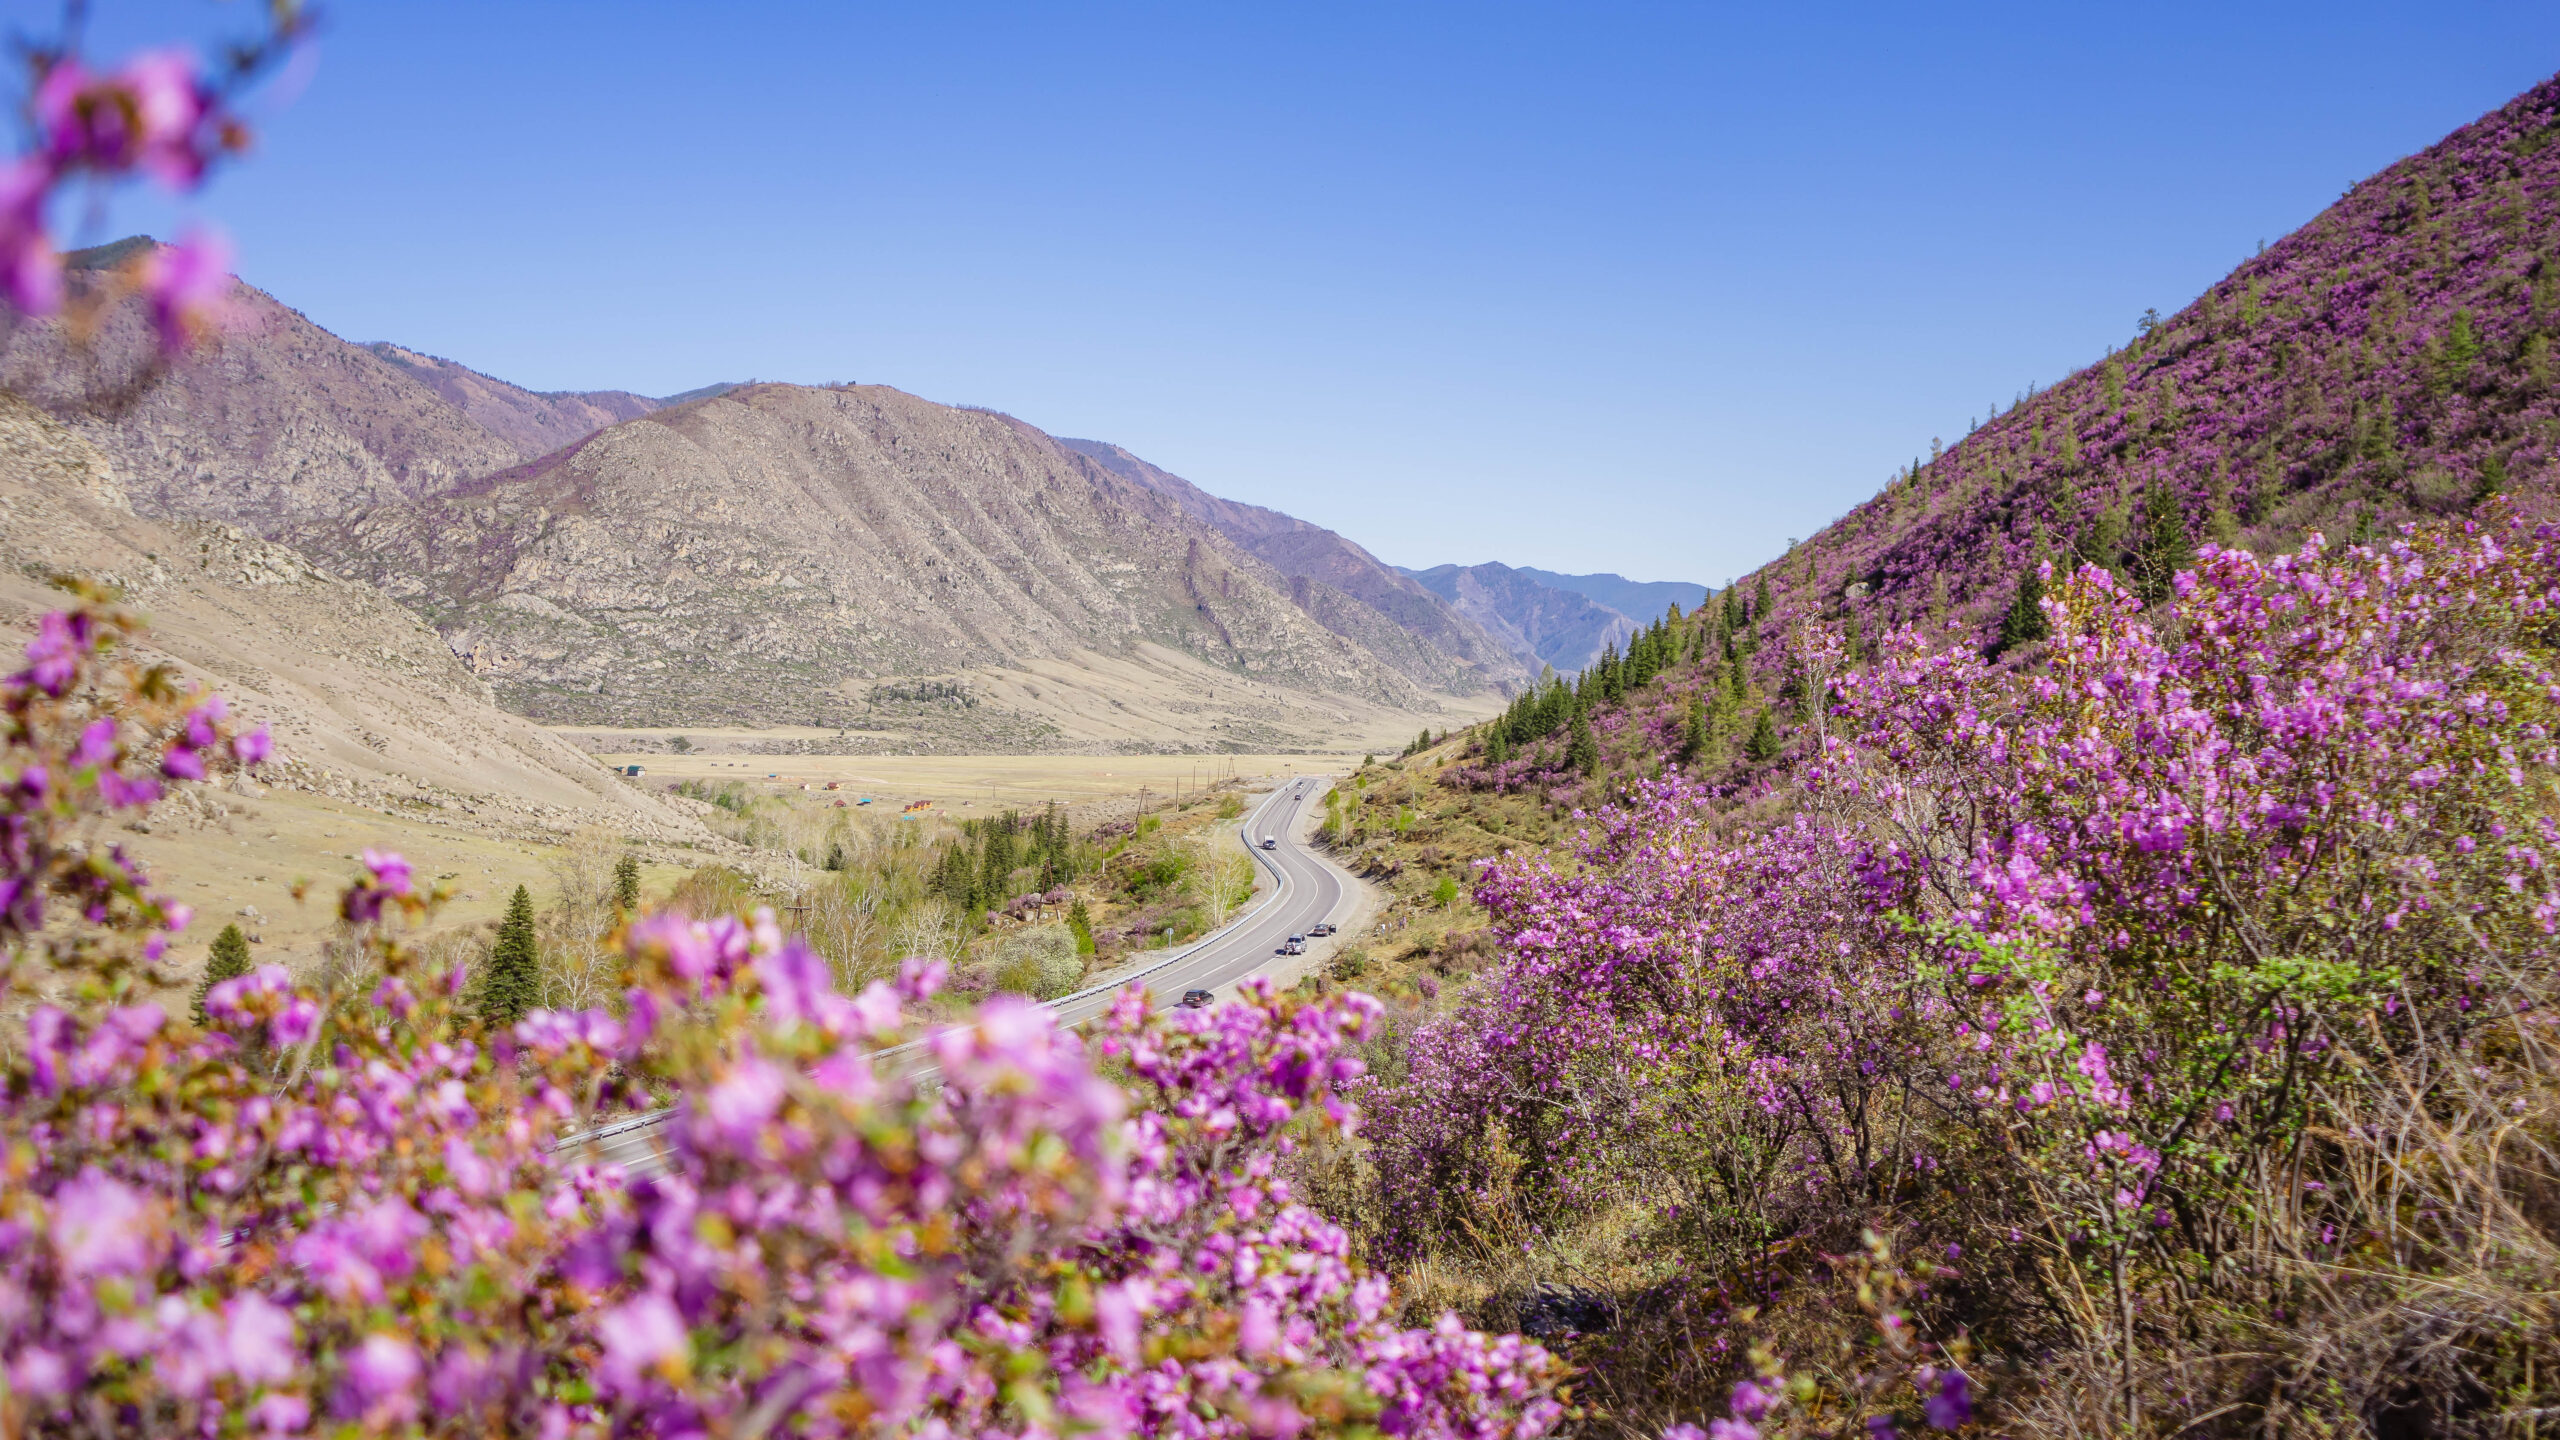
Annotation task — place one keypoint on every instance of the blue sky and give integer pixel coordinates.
(1645, 288)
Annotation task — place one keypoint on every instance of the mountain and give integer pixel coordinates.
(1343, 587)
(285, 422)
(360, 694)
(844, 557)
(2391, 360)
(1639, 600)
(1543, 624)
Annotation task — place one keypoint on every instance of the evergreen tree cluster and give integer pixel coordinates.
(976, 870)
(1555, 705)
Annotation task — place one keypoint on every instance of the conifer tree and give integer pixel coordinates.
(995, 880)
(2025, 622)
(2104, 543)
(1694, 734)
(1080, 923)
(1760, 603)
(957, 878)
(1584, 752)
(1763, 744)
(626, 879)
(511, 984)
(2165, 549)
(230, 958)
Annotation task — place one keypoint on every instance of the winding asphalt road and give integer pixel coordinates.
(1306, 889)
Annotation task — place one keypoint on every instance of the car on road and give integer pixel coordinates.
(1268, 843)
(1322, 927)
(1197, 999)
(1296, 945)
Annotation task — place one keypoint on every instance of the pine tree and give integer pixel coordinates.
(626, 880)
(1760, 603)
(512, 982)
(1584, 752)
(995, 880)
(2104, 543)
(1080, 921)
(1694, 734)
(957, 878)
(1762, 747)
(230, 958)
(2025, 623)
(2165, 548)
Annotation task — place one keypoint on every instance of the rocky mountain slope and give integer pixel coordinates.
(1544, 625)
(363, 699)
(781, 554)
(535, 423)
(286, 422)
(2392, 359)
(1348, 590)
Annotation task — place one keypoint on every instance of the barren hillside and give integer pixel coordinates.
(785, 555)
(363, 699)
(286, 422)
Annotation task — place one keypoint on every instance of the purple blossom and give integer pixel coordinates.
(643, 1339)
(1950, 1407)
(382, 1374)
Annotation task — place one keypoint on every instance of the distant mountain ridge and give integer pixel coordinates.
(1643, 601)
(844, 556)
(1348, 590)
(1563, 621)
(1547, 626)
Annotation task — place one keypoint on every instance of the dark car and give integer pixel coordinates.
(1197, 999)
(1322, 928)
(1270, 844)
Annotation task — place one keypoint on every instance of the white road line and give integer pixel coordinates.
(601, 1139)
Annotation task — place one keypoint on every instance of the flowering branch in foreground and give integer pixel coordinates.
(353, 1210)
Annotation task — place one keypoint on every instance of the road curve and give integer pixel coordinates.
(1306, 888)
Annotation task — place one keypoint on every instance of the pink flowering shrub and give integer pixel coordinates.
(354, 1210)
(2194, 992)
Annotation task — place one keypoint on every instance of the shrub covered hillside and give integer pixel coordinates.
(2110, 1004)
(2393, 359)
(2171, 1016)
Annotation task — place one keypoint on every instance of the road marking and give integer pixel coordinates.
(597, 1138)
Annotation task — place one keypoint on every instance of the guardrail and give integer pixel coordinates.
(1279, 888)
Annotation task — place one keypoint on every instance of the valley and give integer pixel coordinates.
(801, 909)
